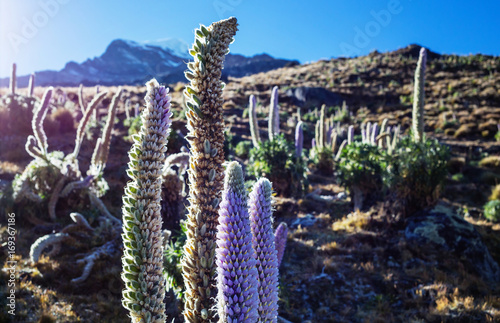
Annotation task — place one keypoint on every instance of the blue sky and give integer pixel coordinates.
(45, 34)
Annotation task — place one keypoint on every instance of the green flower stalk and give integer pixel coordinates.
(142, 236)
(254, 126)
(418, 98)
(205, 125)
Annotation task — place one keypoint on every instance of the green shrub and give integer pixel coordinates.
(361, 168)
(492, 210)
(243, 148)
(275, 159)
(133, 124)
(172, 263)
(416, 172)
(322, 157)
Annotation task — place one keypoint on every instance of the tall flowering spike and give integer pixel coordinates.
(299, 139)
(12, 83)
(263, 241)
(280, 239)
(274, 115)
(142, 236)
(236, 273)
(418, 98)
(374, 134)
(254, 126)
(350, 134)
(322, 127)
(37, 122)
(31, 85)
(383, 127)
(106, 132)
(316, 134)
(205, 125)
(80, 132)
(80, 98)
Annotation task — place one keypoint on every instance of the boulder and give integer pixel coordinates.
(440, 233)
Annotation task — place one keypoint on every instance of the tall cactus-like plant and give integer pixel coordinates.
(12, 81)
(299, 139)
(31, 85)
(263, 242)
(274, 115)
(254, 126)
(322, 127)
(418, 98)
(206, 137)
(236, 272)
(142, 237)
(37, 123)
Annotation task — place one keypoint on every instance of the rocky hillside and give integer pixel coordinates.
(339, 265)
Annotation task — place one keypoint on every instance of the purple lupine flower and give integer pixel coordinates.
(235, 257)
(299, 139)
(261, 222)
(280, 240)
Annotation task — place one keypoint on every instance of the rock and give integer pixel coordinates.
(306, 221)
(342, 196)
(305, 96)
(441, 233)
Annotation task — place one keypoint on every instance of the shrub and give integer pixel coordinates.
(172, 265)
(322, 157)
(275, 159)
(243, 148)
(416, 172)
(360, 168)
(492, 162)
(492, 210)
(495, 193)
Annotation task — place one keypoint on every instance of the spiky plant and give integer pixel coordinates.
(206, 137)
(12, 82)
(31, 85)
(418, 98)
(263, 241)
(142, 236)
(274, 116)
(299, 139)
(254, 126)
(280, 236)
(236, 272)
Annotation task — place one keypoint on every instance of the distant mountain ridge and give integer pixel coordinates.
(126, 62)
